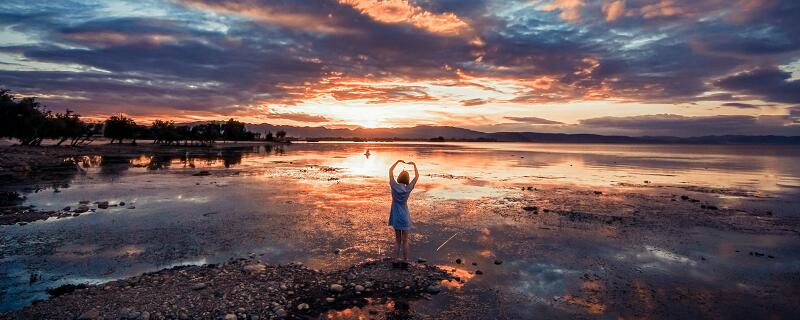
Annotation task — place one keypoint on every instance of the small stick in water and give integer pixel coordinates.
(451, 237)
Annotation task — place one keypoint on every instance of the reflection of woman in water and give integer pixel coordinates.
(398, 216)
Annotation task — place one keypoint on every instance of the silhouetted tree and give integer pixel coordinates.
(164, 132)
(68, 126)
(119, 127)
(269, 137)
(206, 133)
(235, 131)
(280, 135)
(30, 122)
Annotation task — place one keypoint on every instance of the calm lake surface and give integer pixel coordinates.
(610, 236)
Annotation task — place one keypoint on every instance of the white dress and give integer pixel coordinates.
(398, 216)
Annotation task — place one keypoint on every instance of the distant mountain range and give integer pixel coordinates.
(455, 133)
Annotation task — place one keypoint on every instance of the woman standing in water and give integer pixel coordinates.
(398, 216)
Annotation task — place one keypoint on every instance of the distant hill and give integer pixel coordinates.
(455, 133)
(411, 133)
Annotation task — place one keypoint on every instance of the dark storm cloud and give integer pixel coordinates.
(533, 120)
(771, 84)
(676, 125)
(740, 105)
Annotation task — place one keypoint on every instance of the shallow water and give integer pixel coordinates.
(303, 201)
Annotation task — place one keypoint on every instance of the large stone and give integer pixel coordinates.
(337, 288)
(255, 268)
(90, 315)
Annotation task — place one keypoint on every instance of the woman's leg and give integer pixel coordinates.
(398, 239)
(405, 245)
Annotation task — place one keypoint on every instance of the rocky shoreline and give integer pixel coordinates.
(242, 289)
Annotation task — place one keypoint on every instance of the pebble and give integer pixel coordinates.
(478, 272)
(330, 299)
(281, 313)
(498, 261)
(359, 288)
(199, 286)
(433, 289)
(90, 315)
(337, 288)
(458, 260)
(303, 306)
(230, 316)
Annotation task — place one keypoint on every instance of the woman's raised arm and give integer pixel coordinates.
(416, 173)
(391, 170)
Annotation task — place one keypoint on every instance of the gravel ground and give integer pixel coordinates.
(239, 289)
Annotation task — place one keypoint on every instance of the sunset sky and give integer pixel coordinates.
(636, 67)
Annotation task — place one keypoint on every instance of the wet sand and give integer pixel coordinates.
(582, 231)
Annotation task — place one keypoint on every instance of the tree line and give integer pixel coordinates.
(30, 122)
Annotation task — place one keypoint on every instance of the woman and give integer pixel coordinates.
(398, 216)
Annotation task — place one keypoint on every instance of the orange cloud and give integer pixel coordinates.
(614, 9)
(108, 38)
(664, 8)
(401, 11)
(570, 9)
(270, 15)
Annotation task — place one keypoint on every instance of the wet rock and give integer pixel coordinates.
(684, 197)
(255, 268)
(433, 289)
(530, 208)
(458, 260)
(90, 315)
(498, 261)
(131, 207)
(83, 202)
(598, 192)
(478, 272)
(421, 260)
(82, 208)
(102, 205)
(337, 288)
(199, 286)
(202, 173)
(67, 208)
(121, 203)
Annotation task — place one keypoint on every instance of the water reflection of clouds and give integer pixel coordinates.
(543, 280)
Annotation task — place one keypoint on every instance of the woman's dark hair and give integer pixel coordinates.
(403, 177)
